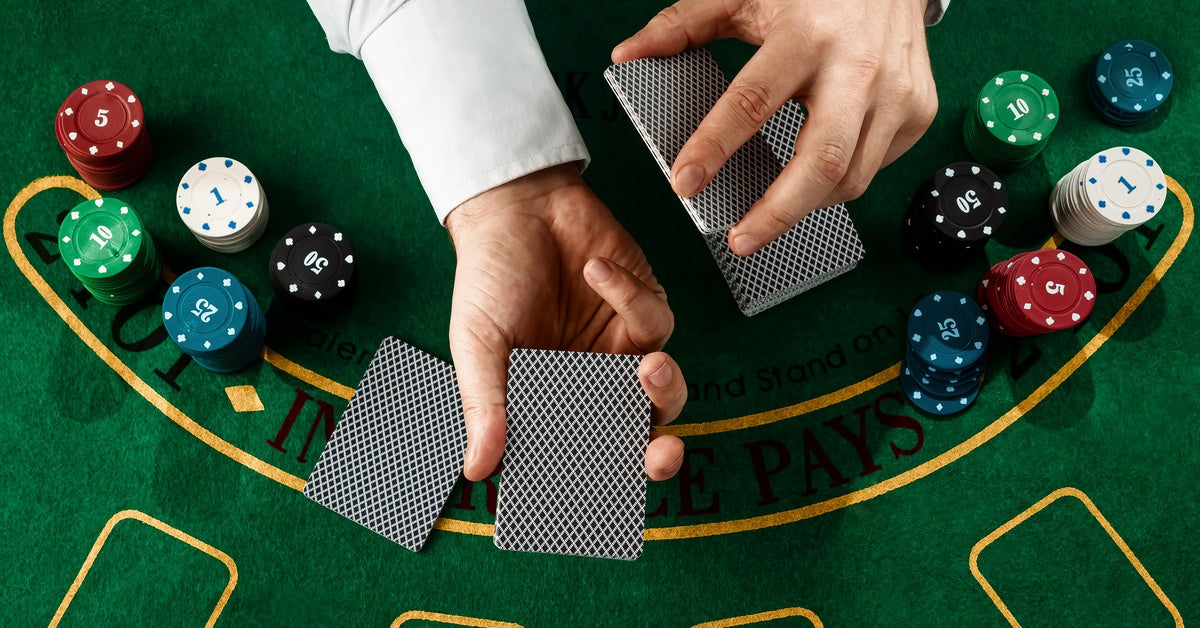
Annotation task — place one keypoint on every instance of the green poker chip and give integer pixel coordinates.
(105, 245)
(1011, 120)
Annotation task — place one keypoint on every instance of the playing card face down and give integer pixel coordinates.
(666, 98)
(574, 479)
(398, 450)
(822, 246)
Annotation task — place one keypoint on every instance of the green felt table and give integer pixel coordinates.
(139, 489)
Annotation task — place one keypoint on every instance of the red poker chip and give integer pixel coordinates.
(100, 127)
(1019, 316)
(100, 120)
(1054, 289)
(1037, 292)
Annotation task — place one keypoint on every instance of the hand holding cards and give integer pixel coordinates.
(573, 481)
(666, 98)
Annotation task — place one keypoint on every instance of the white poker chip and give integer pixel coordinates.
(1114, 191)
(222, 204)
(1125, 185)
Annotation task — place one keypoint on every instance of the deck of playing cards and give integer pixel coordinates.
(666, 98)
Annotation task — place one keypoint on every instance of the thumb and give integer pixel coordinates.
(480, 351)
(685, 24)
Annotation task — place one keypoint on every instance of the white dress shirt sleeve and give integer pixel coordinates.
(467, 86)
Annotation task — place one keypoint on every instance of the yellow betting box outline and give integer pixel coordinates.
(1108, 528)
(710, 427)
(175, 533)
(454, 620)
(759, 618)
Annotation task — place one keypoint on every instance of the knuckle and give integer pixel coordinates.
(779, 220)
(474, 411)
(669, 16)
(927, 110)
(752, 101)
(831, 161)
(867, 64)
(659, 330)
(710, 145)
(852, 188)
(902, 88)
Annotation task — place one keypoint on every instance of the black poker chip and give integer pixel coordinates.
(953, 215)
(313, 264)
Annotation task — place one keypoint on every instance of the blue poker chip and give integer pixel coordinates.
(212, 317)
(934, 376)
(937, 404)
(1131, 81)
(948, 331)
(921, 366)
(944, 387)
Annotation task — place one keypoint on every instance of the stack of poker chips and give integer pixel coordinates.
(1011, 120)
(222, 204)
(313, 265)
(214, 319)
(954, 214)
(1115, 190)
(106, 247)
(101, 127)
(1038, 292)
(1130, 82)
(946, 354)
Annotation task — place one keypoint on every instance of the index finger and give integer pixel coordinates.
(771, 77)
(824, 149)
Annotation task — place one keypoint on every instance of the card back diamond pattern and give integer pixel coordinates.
(781, 130)
(819, 248)
(666, 98)
(574, 477)
(398, 449)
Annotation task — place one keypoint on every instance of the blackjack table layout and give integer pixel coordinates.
(141, 489)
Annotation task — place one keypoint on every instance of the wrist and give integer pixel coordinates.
(528, 195)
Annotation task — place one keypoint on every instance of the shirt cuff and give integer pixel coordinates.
(934, 11)
(470, 93)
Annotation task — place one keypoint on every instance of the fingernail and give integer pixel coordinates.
(472, 454)
(745, 244)
(689, 180)
(662, 376)
(599, 270)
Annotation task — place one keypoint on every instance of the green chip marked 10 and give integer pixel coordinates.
(100, 237)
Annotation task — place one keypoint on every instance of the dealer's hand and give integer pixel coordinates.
(543, 264)
(859, 66)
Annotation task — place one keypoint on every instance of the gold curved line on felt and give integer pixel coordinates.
(169, 530)
(787, 412)
(1067, 491)
(103, 352)
(976, 440)
(651, 534)
(456, 620)
(804, 407)
(275, 359)
(757, 618)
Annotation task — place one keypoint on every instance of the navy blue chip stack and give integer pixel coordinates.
(214, 319)
(1130, 82)
(946, 353)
